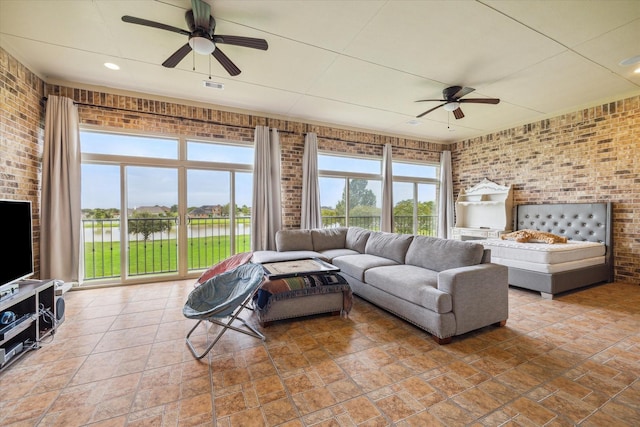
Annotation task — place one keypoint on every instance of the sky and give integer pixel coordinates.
(331, 189)
(150, 186)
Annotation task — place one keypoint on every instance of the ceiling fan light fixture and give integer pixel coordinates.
(452, 106)
(202, 45)
(630, 61)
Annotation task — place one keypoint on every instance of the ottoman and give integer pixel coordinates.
(302, 295)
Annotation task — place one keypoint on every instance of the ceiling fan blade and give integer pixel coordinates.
(201, 13)
(434, 100)
(177, 56)
(226, 62)
(457, 113)
(153, 24)
(428, 111)
(462, 92)
(242, 41)
(480, 100)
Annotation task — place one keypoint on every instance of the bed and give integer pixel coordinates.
(586, 259)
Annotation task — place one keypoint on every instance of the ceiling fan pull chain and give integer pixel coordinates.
(194, 60)
(209, 67)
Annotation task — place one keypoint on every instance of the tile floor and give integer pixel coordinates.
(120, 359)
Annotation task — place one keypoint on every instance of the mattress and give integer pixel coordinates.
(549, 268)
(543, 253)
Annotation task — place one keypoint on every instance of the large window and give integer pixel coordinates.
(162, 206)
(415, 198)
(351, 193)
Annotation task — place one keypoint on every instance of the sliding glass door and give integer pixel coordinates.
(160, 208)
(152, 221)
(218, 216)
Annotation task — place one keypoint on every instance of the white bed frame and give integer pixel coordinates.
(578, 221)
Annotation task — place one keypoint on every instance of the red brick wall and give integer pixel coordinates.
(21, 135)
(591, 155)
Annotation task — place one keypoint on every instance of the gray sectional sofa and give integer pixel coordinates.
(446, 287)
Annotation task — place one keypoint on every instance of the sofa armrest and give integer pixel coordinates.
(479, 295)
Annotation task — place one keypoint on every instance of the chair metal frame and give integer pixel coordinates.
(232, 317)
(251, 330)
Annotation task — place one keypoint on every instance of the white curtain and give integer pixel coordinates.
(266, 212)
(446, 203)
(387, 190)
(311, 216)
(60, 220)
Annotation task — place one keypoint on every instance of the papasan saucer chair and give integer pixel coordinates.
(221, 297)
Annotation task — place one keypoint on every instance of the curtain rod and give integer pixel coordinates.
(374, 145)
(127, 110)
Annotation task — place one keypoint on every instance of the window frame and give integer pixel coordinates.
(181, 164)
(346, 175)
(416, 181)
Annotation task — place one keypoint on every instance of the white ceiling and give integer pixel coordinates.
(355, 64)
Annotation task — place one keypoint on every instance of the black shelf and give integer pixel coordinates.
(14, 328)
(29, 328)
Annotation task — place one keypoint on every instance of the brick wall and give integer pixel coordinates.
(591, 155)
(21, 135)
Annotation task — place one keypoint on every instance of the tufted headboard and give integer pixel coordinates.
(577, 221)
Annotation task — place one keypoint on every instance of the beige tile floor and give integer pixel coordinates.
(120, 359)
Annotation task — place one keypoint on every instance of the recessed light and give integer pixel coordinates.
(637, 70)
(630, 61)
(111, 66)
(212, 85)
(413, 122)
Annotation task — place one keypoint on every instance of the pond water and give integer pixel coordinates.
(112, 234)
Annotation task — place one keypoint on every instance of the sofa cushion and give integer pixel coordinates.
(356, 265)
(328, 238)
(357, 239)
(294, 240)
(414, 284)
(334, 253)
(262, 257)
(442, 254)
(388, 245)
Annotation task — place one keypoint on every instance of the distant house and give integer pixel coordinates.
(153, 210)
(206, 211)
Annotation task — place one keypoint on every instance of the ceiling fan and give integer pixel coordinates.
(202, 38)
(452, 100)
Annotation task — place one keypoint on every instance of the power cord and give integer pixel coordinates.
(49, 318)
(30, 344)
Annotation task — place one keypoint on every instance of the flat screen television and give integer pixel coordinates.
(17, 263)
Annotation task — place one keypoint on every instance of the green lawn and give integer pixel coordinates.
(103, 260)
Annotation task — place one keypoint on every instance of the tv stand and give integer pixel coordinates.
(34, 307)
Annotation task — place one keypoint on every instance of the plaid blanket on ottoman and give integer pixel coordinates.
(294, 287)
